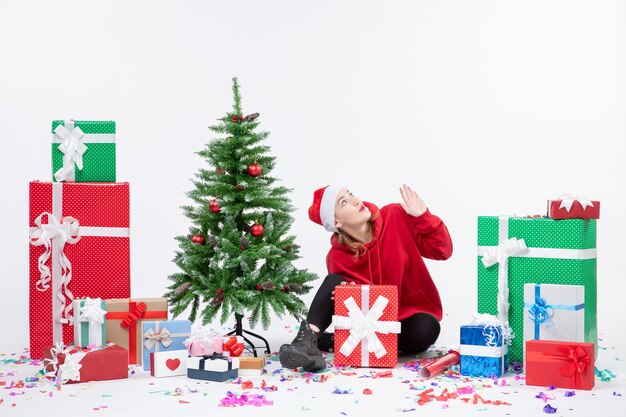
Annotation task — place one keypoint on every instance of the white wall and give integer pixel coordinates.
(484, 107)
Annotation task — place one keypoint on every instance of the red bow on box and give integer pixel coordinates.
(233, 345)
(577, 361)
(566, 365)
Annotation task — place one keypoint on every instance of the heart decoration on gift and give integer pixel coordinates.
(172, 364)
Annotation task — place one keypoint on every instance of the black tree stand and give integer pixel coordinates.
(239, 331)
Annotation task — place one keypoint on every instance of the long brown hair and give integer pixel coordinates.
(357, 247)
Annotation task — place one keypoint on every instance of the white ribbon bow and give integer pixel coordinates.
(73, 149)
(500, 255)
(70, 369)
(567, 200)
(153, 338)
(493, 327)
(64, 231)
(92, 312)
(364, 327)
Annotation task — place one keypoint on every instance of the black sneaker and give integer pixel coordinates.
(303, 351)
(326, 342)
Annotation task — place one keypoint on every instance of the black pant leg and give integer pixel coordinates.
(418, 333)
(322, 307)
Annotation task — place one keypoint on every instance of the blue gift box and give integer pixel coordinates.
(215, 367)
(160, 336)
(482, 351)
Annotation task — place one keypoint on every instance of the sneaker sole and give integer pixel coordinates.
(291, 359)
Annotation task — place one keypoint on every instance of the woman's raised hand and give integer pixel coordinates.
(413, 203)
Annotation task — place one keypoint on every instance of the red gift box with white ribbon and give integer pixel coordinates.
(366, 326)
(73, 364)
(570, 207)
(79, 247)
(560, 364)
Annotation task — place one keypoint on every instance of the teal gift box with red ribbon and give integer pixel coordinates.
(554, 312)
(560, 364)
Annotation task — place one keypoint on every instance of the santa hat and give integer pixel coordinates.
(322, 210)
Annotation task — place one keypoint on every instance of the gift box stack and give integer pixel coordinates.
(538, 274)
(80, 315)
(213, 357)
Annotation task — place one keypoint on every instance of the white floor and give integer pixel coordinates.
(297, 393)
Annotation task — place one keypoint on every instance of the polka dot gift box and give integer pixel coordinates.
(83, 151)
(79, 247)
(559, 252)
(366, 326)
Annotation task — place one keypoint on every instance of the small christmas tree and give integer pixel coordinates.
(238, 256)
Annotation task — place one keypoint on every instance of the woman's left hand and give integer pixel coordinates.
(413, 203)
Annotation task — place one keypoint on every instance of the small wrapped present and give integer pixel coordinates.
(161, 336)
(483, 348)
(232, 345)
(83, 151)
(570, 207)
(366, 325)
(168, 363)
(90, 322)
(560, 364)
(554, 312)
(251, 366)
(204, 342)
(124, 322)
(79, 247)
(215, 367)
(74, 364)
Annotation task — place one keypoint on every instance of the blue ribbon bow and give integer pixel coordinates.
(541, 312)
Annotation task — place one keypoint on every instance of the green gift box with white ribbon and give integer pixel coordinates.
(90, 322)
(83, 151)
(513, 251)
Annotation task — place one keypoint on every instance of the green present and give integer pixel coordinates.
(83, 151)
(553, 252)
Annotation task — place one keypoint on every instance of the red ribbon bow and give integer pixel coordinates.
(231, 345)
(577, 361)
(134, 315)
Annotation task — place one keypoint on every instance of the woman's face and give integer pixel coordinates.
(349, 210)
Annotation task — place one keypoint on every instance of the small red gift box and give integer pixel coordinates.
(573, 208)
(233, 345)
(79, 247)
(366, 326)
(74, 364)
(561, 364)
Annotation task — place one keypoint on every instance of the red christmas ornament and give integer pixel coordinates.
(256, 230)
(259, 287)
(214, 206)
(199, 239)
(254, 170)
(239, 187)
(219, 290)
(235, 119)
(240, 118)
(285, 288)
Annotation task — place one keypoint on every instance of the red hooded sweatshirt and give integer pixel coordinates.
(394, 257)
